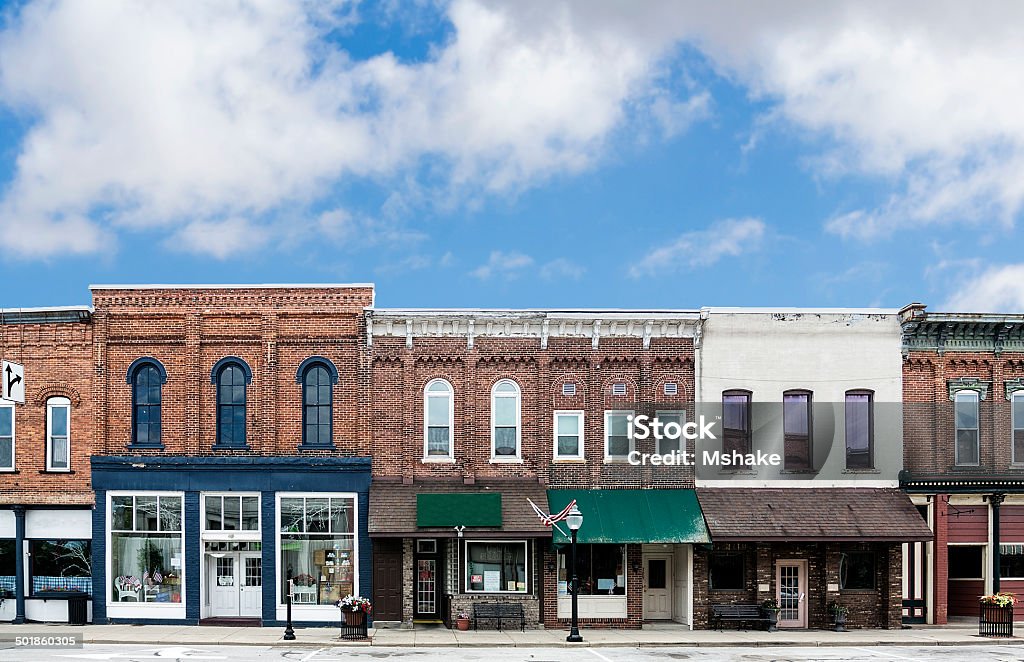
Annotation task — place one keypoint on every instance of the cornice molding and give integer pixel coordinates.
(1012, 386)
(967, 384)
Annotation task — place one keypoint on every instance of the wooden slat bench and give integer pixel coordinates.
(736, 613)
(498, 612)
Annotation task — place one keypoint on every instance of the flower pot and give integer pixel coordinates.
(773, 620)
(462, 623)
(354, 618)
(839, 620)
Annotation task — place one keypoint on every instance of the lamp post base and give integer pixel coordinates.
(574, 637)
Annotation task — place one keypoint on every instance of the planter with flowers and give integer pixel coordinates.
(771, 610)
(839, 614)
(997, 615)
(462, 620)
(354, 609)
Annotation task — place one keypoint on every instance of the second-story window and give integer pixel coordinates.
(231, 377)
(146, 377)
(505, 420)
(1017, 423)
(965, 408)
(859, 430)
(58, 434)
(568, 435)
(736, 422)
(618, 442)
(317, 398)
(437, 420)
(6, 438)
(796, 423)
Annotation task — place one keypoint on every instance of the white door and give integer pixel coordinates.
(658, 588)
(224, 585)
(251, 585)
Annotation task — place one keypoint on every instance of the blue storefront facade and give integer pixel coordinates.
(180, 539)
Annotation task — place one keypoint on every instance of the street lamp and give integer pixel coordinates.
(574, 520)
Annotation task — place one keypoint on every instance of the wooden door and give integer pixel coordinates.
(387, 579)
(791, 592)
(658, 588)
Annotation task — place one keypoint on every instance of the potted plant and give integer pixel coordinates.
(997, 615)
(462, 620)
(354, 609)
(771, 609)
(839, 613)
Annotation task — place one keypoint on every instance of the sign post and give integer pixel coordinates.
(12, 379)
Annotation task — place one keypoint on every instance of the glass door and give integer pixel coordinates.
(791, 592)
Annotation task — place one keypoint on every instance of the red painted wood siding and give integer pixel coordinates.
(967, 526)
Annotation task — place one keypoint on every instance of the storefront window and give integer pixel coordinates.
(146, 548)
(496, 567)
(966, 561)
(857, 571)
(726, 571)
(1011, 561)
(601, 569)
(7, 569)
(60, 565)
(318, 548)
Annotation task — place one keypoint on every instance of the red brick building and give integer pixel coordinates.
(474, 412)
(45, 488)
(963, 384)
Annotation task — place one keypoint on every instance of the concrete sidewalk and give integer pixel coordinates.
(651, 636)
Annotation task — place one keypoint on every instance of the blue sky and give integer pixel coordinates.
(472, 153)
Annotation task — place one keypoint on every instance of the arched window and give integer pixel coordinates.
(317, 408)
(966, 404)
(505, 420)
(231, 375)
(58, 434)
(437, 420)
(147, 376)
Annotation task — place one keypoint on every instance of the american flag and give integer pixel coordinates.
(552, 519)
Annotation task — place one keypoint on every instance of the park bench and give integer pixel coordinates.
(736, 613)
(498, 612)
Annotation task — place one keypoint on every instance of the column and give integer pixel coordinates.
(19, 563)
(996, 500)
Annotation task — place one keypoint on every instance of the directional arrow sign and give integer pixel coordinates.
(12, 378)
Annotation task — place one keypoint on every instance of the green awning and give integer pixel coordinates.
(458, 509)
(632, 516)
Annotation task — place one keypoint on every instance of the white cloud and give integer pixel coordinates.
(562, 269)
(999, 289)
(219, 239)
(505, 265)
(702, 248)
(172, 115)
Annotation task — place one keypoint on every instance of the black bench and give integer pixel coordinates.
(737, 613)
(498, 612)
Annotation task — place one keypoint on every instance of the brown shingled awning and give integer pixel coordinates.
(811, 514)
(394, 512)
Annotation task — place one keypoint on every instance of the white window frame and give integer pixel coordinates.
(518, 457)
(620, 389)
(674, 385)
(608, 413)
(128, 609)
(578, 413)
(51, 403)
(528, 567)
(681, 413)
(1015, 425)
(316, 612)
(14, 440)
(956, 428)
(237, 534)
(450, 457)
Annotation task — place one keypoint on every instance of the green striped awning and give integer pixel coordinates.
(633, 516)
(458, 509)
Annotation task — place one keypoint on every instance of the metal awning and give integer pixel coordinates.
(633, 516)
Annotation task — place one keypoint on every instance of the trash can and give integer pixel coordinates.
(78, 613)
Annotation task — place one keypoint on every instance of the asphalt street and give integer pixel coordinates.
(129, 653)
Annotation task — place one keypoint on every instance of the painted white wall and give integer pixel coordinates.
(49, 611)
(827, 352)
(63, 524)
(6, 523)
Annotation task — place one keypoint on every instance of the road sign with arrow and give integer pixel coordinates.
(12, 378)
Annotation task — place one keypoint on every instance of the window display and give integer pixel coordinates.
(318, 548)
(146, 558)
